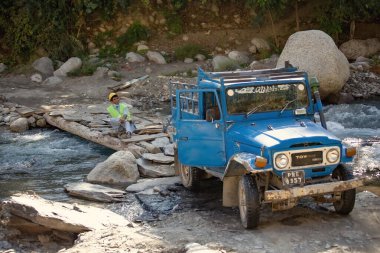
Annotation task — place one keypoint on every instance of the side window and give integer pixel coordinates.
(211, 108)
(189, 105)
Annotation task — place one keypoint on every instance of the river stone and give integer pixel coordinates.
(316, 53)
(144, 184)
(200, 57)
(155, 57)
(3, 67)
(31, 120)
(352, 49)
(239, 57)
(72, 64)
(41, 122)
(161, 142)
(44, 65)
(37, 78)
(94, 192)
(169, 149)
(158, 158)
(142, 48)
(25, 111)
(53, 80)
(149, 169)
(137, 151)
(221, 62)
(150, 147)
(134, 57)
(119, 168)
(19, 125)
(260, 44)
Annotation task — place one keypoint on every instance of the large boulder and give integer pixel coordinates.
(352, 49)
(72, 64)
(316, 53)
(19, 125)
(239, 56)
(44, 65)
(119, 168)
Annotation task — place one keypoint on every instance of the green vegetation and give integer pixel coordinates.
(188, 51)
(135, 33)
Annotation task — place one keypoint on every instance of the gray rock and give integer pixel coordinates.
(150, 147)
(200, 57)
(137, 151)
(31, 120)
(221, 62)
(352, 49)
(252, 49)
(155, 57)
(149, 169)
(188, 60)
(94, 192)
(260, 44)
(158, 158)
(113, 73)
(19, 125)
(44, 65)
(37, 78)
(72, 64)
(161, 142)
(362, 59)
(134, 57)
(142, 48)
(119, 168)
(53, 80)
(239, 57)
(316, 53)
(3, 67)
(144, 184)
(169, 149)
(41, 123)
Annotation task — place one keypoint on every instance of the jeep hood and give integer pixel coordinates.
(283, 132)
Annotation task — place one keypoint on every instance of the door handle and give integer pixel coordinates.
(184, 138)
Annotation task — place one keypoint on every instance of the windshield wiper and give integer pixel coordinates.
(288, 103)
(255, 109)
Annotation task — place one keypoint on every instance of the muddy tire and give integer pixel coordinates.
(249, 202)
(347, 202)
(190, 177)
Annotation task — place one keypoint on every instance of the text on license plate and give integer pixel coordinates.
(293, 177)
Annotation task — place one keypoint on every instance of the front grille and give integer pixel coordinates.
(307, 158)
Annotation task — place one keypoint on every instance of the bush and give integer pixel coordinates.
(188, 51)
(174, 22)
(135, 33)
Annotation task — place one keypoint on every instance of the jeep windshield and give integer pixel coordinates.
(266, 98)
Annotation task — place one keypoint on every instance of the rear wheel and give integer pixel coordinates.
(249, 202)
(346, 203)
(190, 177)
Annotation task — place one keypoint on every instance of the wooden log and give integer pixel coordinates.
(147, 137)
(128, 83)
(86, 133)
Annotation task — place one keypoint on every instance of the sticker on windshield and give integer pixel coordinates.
(301, 87)
(263, 89)
(230, 93)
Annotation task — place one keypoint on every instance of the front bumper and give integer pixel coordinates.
(311, 190)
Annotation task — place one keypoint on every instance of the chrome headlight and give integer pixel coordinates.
(332, 155)
(281, 161)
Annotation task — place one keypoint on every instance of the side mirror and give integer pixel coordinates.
(210, 115)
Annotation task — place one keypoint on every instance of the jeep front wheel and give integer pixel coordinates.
(249, 202)
(190, 177)
(346, 203)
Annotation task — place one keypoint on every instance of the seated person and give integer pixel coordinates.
(121, 117)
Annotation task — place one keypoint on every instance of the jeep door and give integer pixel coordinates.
(200, 142)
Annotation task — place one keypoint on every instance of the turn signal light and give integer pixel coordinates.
(260, 162)
(350, 152)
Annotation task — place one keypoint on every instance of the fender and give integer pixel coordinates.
(242, 163)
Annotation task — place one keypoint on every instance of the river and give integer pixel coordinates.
(44, 161)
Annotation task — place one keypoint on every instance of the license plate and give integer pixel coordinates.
(293, 177)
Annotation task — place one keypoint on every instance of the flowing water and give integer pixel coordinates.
(43, 161)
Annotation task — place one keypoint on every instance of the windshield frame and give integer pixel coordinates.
(267, 114)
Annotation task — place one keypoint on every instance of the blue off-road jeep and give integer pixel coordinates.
(256, 131)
